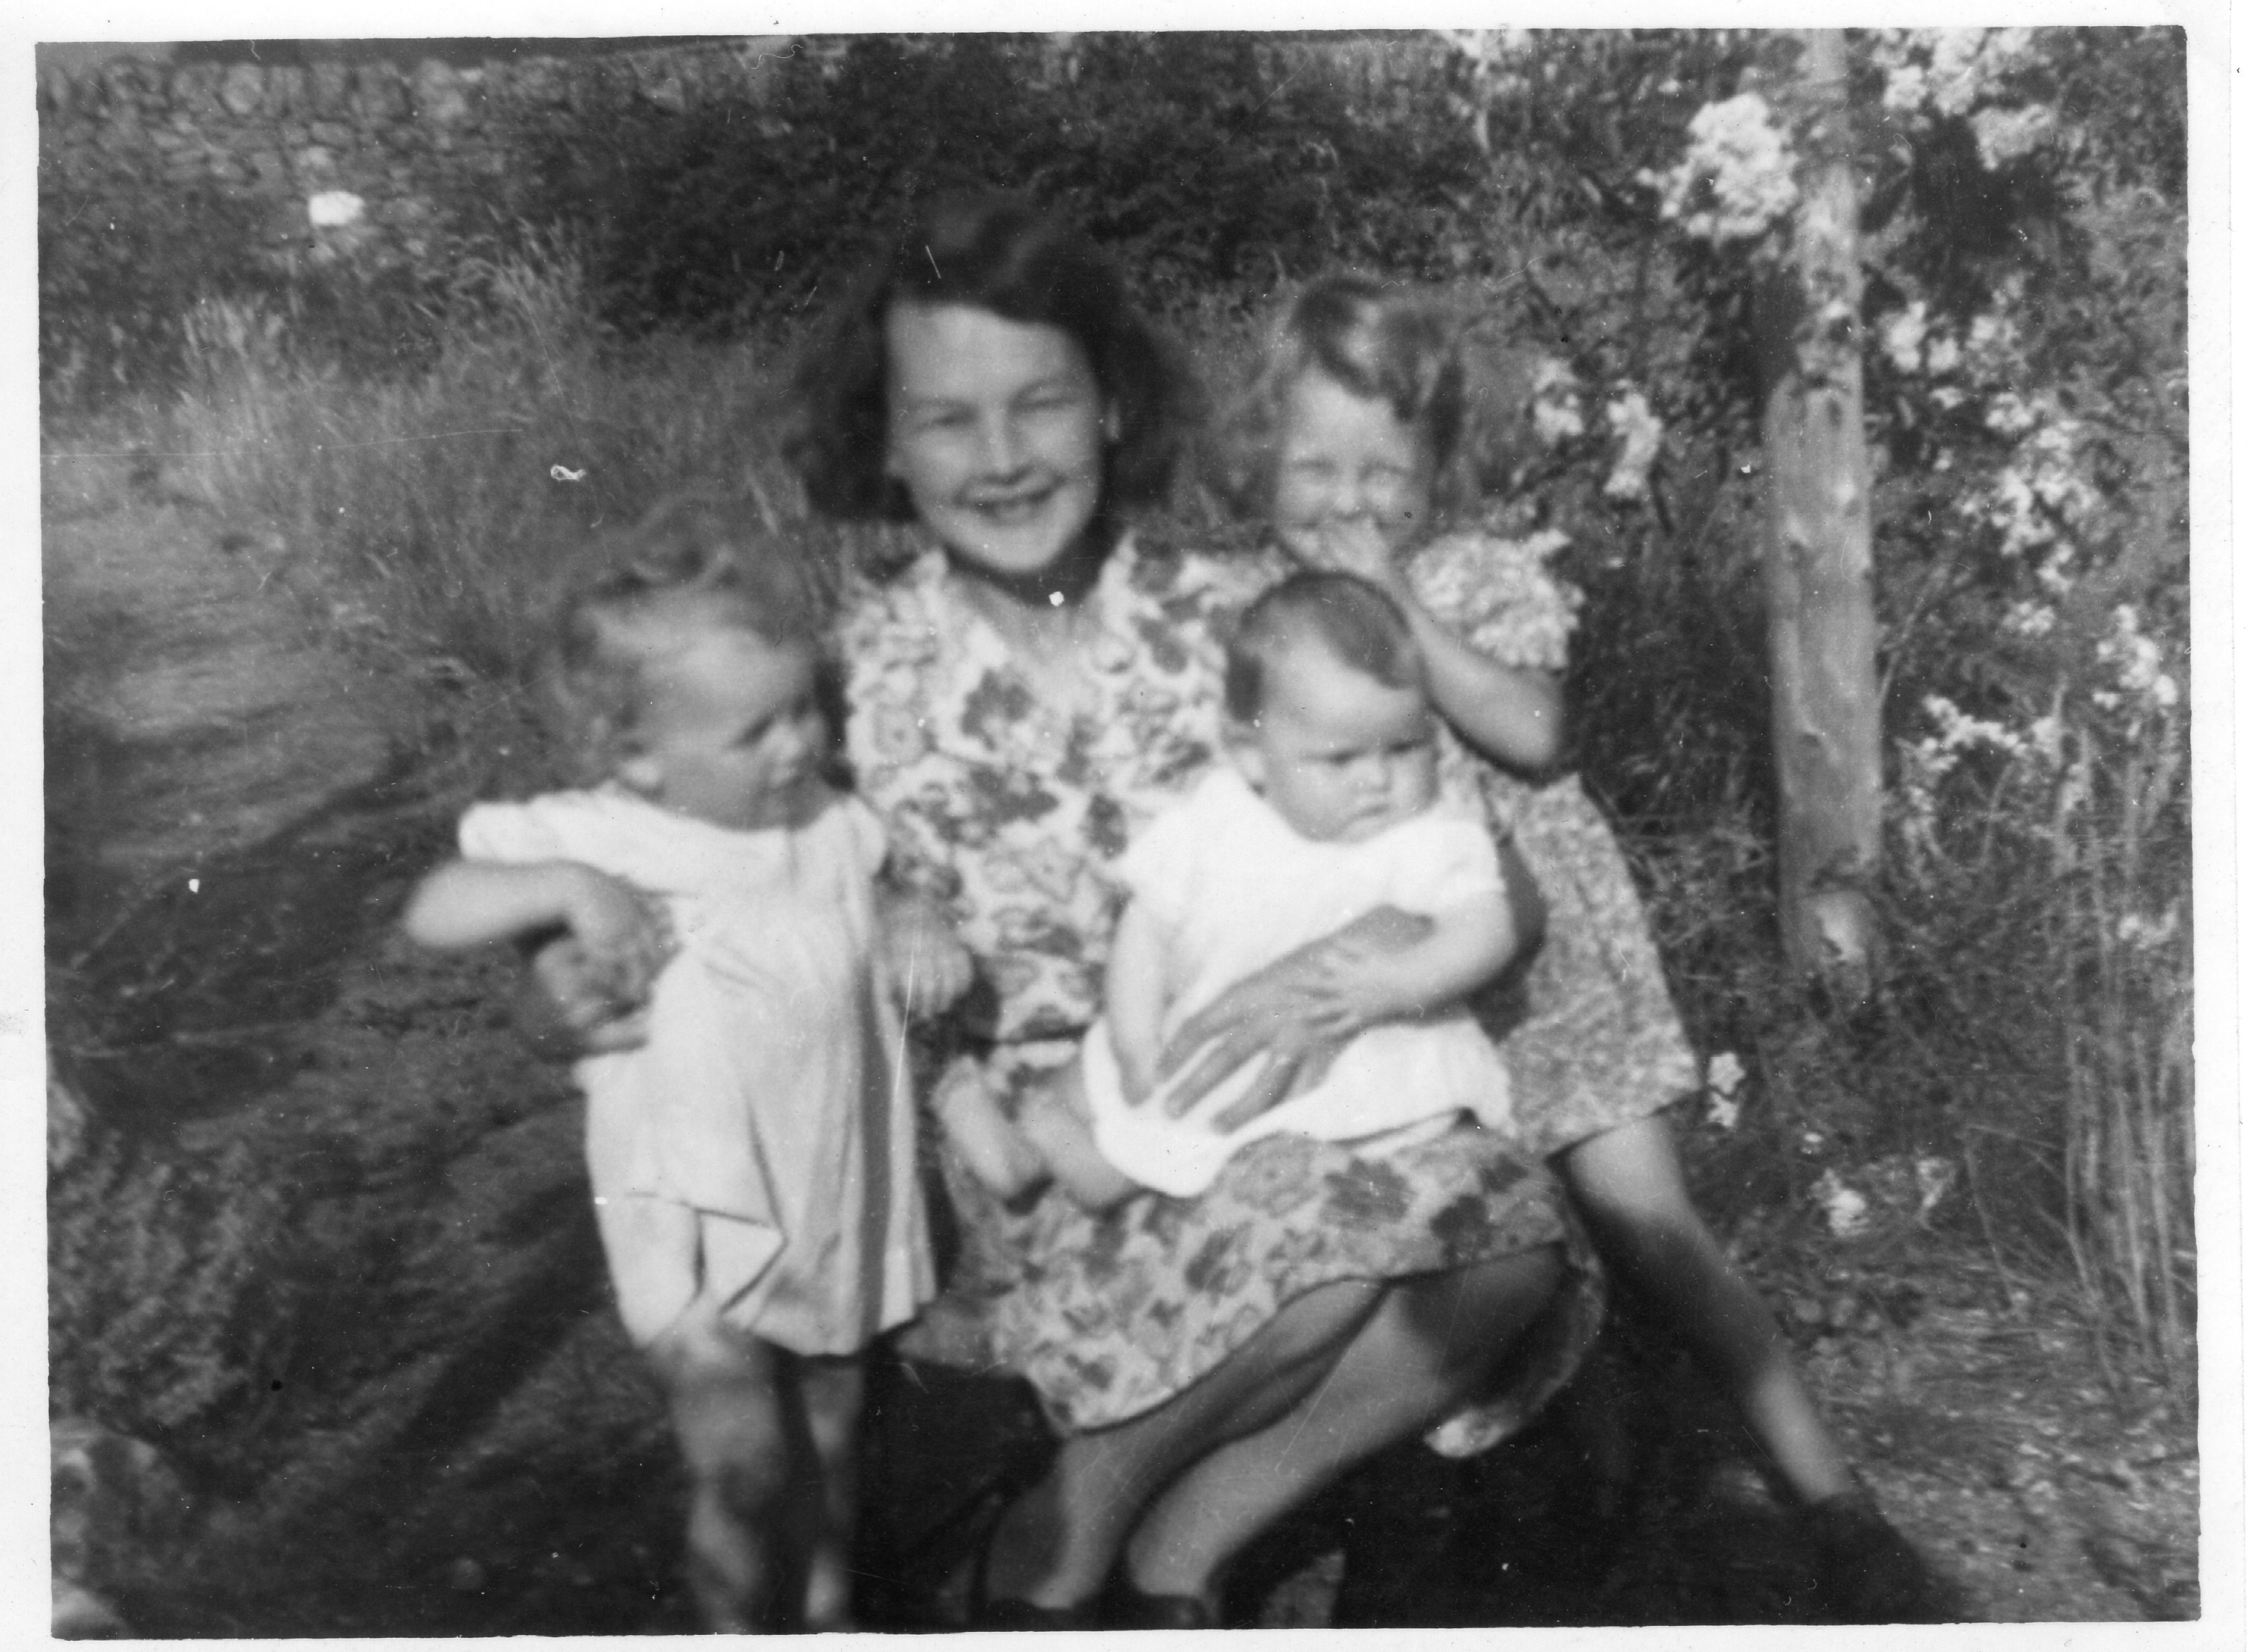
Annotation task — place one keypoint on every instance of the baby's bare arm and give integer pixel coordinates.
(1134, 999)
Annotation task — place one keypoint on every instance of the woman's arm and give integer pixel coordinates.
(1272, 1014)
(1300, 1010)
(1469, 946)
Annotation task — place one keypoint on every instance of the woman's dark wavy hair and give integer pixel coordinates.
(1406, 349)
(1000, 254)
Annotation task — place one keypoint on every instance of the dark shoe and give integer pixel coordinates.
(1866, 1570)
(1124, 1606)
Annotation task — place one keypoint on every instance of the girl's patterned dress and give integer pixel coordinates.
(1011, 814)
(1591, 1038)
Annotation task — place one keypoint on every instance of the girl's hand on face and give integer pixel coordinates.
(927, 964)
(1350, 545)
(1298, 1013)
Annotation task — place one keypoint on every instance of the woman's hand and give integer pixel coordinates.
(1297, 1013)
(926, 962)
(587, 992)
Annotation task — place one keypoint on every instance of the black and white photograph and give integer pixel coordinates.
(585, 575)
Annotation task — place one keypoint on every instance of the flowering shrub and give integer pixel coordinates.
(2025, 371)
(1734, 183)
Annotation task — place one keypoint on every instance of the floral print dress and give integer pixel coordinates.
(1011, 813)
(1590, 1034)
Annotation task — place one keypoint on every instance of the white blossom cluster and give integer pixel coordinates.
(1556, 416)
(1735, 182)
(1947, 71)
(1965, 74)
(2138, 666)
(1927, 762)
(2040, 495)
(2148, 935)
(1640, 432)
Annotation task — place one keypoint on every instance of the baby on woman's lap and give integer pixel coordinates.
(1328, 811)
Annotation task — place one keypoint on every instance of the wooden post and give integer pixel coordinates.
(1822, 623)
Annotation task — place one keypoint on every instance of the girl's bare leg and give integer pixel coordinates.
(832, 1392)
(1056, 1548)
(726, 1397)
(1427, 1347)
(1630, 1184)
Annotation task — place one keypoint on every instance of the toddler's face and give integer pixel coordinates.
(1338, 755)
(731, 732)
(1350, 476)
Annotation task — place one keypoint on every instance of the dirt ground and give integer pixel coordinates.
(453, 1438)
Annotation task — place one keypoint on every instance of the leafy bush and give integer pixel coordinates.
(1181, 151)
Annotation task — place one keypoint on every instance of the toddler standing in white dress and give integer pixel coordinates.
(753, 1162)
(1329, 812)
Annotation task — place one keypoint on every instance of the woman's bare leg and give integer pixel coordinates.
(832, 1392)
(1425, 1348)
(1057, 1547)
(726, 1397)
(1630, 1185)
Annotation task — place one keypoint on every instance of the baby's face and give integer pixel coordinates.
(732, 732)
(1339, 754)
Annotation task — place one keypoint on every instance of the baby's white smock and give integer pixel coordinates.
(1232, 889)
(759, 1149)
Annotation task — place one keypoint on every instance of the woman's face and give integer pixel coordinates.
(997, 430)
(1347, 472)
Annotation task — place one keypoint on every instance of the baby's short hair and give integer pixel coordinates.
(1358, 623)
(695, 559)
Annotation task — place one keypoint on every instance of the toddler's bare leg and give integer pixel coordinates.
(1056, 1121)
(991, 1148)
(727, 1416)
(832, 1392)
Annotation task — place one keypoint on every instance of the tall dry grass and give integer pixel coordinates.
(449, 499)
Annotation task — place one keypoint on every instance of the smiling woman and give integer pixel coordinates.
(1033, 689)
